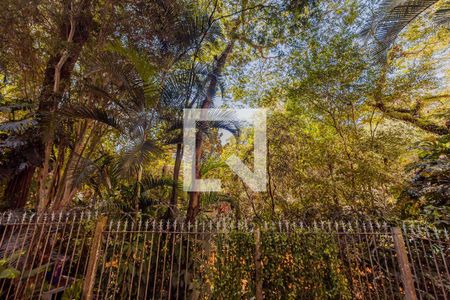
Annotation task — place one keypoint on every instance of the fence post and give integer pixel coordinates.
(88, 285)
(402, 258)
(258, 265)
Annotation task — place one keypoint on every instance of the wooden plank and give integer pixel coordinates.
(405, 270)
(88, 285)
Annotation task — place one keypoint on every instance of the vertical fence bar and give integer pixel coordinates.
(88, 285)
(402, 257)
(176, 257)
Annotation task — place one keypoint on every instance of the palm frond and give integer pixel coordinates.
(17, 106)
(232, 127)
(211, 164)
(136, 156)
(178, 139)
(183, 87)
(13, 142)
(147, 73)
(141, 63)
(84, 171)
(150, 182)
(18, 126)
(392, 17)
(92, 113)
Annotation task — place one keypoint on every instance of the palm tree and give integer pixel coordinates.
(27, 150)
(392, 16)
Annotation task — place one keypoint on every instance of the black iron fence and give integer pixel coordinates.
(83, 255)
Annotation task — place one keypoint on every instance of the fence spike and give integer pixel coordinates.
(168, 225)
(343, 226)
(427, 233)
(376, 226)
(418, 229)
(24, 217)
(436, 233)
(74, 216)
(411, 229)
(349, 225)
(322, 224)
(219, 224)
(405, 229)
(139, 225)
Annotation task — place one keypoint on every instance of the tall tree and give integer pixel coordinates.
(73, 26)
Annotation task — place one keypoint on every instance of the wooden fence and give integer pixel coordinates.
(89, 256)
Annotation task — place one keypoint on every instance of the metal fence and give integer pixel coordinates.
(84, 255)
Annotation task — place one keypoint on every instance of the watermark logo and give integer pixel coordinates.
(257, 179)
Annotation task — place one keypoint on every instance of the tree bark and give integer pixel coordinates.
(194, 197)
(417, 122)
(74, 30)
(18, 188)
(172, 211)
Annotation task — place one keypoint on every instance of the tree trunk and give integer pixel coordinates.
(18, 188)
(172, 211)
(138, 189)
(194, 197)
(74, 30)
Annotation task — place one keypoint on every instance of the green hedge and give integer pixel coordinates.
(296, 265)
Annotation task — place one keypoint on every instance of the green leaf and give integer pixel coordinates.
(9, 273)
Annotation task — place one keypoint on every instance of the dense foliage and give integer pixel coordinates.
(290, 272)
(92, 96)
